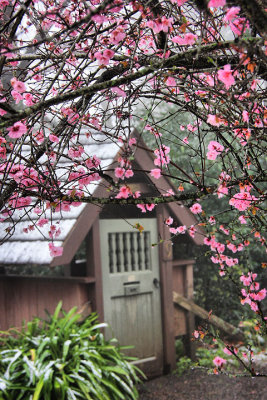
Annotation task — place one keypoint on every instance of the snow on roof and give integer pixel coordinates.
(24, 240)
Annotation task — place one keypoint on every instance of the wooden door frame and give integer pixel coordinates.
(165, 265)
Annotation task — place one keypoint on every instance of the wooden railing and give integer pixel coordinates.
(219, 323)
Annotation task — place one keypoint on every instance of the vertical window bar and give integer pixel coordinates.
(118, 252)
(110, 253)
(147, 249)
(125, 251)
(132, 250)
(139, 251)
(121, 246)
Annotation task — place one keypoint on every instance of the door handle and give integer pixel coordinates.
(156, 282)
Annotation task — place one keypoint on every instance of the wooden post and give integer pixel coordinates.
(94, 268)
(190, 318)
(165, 259)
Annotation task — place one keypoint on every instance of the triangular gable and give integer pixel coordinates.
(163, 184)
(91, 211)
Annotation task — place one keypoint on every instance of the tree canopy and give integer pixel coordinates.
(74, 68)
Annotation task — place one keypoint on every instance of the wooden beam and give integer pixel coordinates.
(165, 258)
(190, 306)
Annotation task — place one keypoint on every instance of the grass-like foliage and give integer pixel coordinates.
(64, 358)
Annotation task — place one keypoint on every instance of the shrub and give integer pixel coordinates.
(64, 358)
(183, 364)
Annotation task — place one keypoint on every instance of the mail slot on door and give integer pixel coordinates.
(131, 288)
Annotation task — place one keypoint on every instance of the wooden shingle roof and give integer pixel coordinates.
(21, 245)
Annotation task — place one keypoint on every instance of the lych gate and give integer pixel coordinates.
(110, 267)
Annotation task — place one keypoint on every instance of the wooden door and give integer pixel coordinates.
(131, 289)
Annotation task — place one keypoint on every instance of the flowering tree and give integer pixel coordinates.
(68, 66)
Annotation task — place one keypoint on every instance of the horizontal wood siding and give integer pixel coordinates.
(24, 298)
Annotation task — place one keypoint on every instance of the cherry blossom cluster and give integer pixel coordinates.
(252, 294)
(73, 70)
(182, 229)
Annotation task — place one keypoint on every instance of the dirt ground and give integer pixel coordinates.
(196, 384)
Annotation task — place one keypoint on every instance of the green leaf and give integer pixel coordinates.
(66, 349)
(114, 389)
(38, 390)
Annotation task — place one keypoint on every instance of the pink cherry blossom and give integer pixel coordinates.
(260, 295)
(118, 91)
(245, 116)
(124, 193)
(216, 3)
(160, 24)
(129, 173)
(4, 3)
(231, 14)
(104, 58)
(42, 222)
(141, 207)
(181, 229)
(226, 351)
(150, 207)
(213, 145)
(215, 149)
(242, 200)
(169, 221)
(170, 81)
(75, 152)
(196, 334)
(28, 99)
(225, 76)
(162, 156)
(117, 35)
(242, 219)
(239, 26)
(156, 173)
(222, 190)
(215, 120)
(53, 138)
(92, 162)
(18, 85)
(119, 172)
(219, 362)
(16, 96)
(212, 220)
(20, 202)
(192, 231)
(55, 251)
(173, 230)
(212, 155)
(178, 2)
(187, 39)
(196, 208)
(132, 141)
(17, 130)
(224, 230)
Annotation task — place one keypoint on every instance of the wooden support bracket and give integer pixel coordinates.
(224, 326)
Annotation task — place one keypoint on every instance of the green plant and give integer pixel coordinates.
(64, 358)
(179, 348)
(183, 364)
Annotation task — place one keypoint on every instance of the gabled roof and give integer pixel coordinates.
(32, 247)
